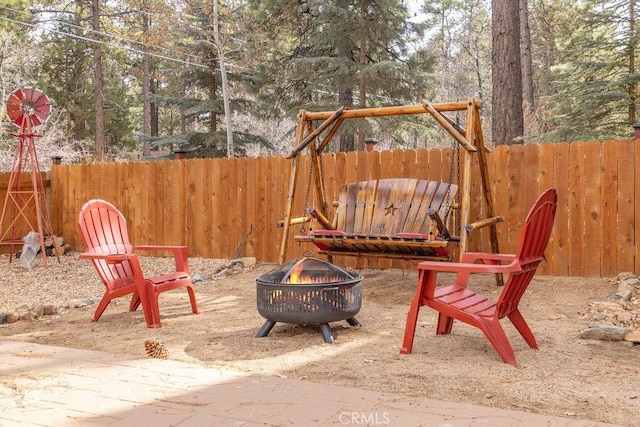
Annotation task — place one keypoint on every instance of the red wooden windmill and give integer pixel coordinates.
(25, 205)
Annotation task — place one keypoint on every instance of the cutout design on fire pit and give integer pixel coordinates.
(308, 291)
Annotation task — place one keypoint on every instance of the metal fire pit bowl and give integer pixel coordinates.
(308, 291)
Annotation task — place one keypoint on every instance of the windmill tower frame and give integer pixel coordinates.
(25, 204)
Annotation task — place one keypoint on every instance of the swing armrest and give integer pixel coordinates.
(483, 223)
(322, 220)
(442, 229)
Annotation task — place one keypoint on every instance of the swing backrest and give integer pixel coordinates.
(394, 206)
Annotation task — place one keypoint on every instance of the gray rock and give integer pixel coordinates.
(79, 303)
(633, 336)
(199, 277)
(12, 317)
(249, 261)
(631, 281)
(604, 332)
(38, 309)
(26, 315)
(222, 273)
(50, 309)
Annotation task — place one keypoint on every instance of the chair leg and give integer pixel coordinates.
(104, 302)
(192, 298)
(445, 323)
(154, 310)
(492, 329)
(518, 321)
(410, 327)
(135, 302)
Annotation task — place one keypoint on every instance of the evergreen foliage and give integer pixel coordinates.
(285, 55)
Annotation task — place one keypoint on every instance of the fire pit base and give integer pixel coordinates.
(324, 328)
(308, 291)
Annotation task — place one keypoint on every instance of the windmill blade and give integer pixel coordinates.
(35, 95)
(28, 106)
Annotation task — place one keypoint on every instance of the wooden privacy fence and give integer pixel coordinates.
(223, 208)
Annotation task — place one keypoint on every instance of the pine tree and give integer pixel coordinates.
(594, 85)
(319, 55)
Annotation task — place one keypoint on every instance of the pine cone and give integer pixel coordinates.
(155, 349)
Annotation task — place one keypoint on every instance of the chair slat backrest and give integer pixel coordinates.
(534, 238)
(104, 231)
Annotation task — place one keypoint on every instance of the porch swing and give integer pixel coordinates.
(396, 218)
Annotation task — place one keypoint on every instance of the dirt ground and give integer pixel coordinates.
(567, 376)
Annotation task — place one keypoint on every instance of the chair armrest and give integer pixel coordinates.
(467, 266)
(115, 259)
(486, 258)
(109, 258)
(180, 254)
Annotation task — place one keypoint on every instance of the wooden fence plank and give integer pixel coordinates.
(410, 164)
(561, 226)
(516, 204)
(593, 216)
(264, 181)
(530, 182)
(248, 246)
(636, 198)
(362, 169)
(608, 202)
(241, 227)
(150, 201)
(545, 180)
(374, 166)
(497, 162)
(422, 164)
(216, 215)
(576, 206)
(626, 206)
(197, 222)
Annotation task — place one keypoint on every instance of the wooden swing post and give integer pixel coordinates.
(286, 224)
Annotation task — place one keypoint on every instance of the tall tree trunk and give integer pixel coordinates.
(525, 57)
(213, 95)
(345, 98)
(507, 116)
(225, 85)
(347, 138)
(363, 63)
(633, 42)
(98, 88)
(146, 77)
(155, 125)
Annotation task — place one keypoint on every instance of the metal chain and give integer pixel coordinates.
(306, 197)
(455, 163)
(458, 176)
(324, 187)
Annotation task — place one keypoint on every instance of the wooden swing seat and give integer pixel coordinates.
(399, 218)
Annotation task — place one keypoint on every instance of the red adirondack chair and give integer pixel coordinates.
(456, 301)
(106, 240)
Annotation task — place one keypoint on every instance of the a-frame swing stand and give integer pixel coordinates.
(315, 131)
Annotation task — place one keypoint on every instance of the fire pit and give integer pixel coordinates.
(308, 291)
